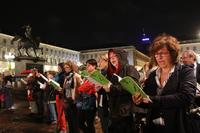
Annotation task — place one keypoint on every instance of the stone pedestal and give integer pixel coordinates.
(26, 63)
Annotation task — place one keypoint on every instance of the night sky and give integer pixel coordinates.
(98, 23)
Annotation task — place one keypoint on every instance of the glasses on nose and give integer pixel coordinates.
(162, 54)
(66, 67)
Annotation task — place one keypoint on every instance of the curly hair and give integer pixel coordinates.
(72, 65)
(168, 41)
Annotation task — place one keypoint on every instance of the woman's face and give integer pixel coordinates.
(113, 59)
(49, 76)
(163, 58)
(102, 64)
(67, 68)
(90, 68)
(59, 69)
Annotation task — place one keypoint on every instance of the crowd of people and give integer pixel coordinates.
(170, 82)
(6, 90)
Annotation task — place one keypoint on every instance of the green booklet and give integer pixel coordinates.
(84, 73)
(96, 77)
(131, 86)
(52, 82)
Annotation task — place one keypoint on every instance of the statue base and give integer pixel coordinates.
(34, 59)
(26, 63)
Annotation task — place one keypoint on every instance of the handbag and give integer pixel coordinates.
(194, 108)
(194, 111)
(86, 101)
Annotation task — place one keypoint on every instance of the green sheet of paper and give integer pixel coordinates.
(96, 77)
(131, 86)
(84, 73)
(53, 83)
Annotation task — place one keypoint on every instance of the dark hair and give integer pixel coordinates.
(92, 62)
(61, 65)
(168, 41)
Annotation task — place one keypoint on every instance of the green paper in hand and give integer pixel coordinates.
(131, 86)
(54, 84)
(84, 73)
(96, 77)
(99, 78)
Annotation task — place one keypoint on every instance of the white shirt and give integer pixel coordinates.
(157, 77)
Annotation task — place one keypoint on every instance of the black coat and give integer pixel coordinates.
(176, 96)
(120, 100)
(198, 73)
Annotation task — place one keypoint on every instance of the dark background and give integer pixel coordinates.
(99, 24)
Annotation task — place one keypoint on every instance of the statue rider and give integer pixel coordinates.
(28, 32)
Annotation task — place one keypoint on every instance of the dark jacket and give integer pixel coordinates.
(50, 93)
(120, 101)
(198, 73)
(176, 96)
(102, 93)
(60, 77)
(34, 85)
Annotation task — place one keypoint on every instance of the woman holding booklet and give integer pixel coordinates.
(71, 83)
(86, 103)
(120, 100)
(171, 89)
(61, 122)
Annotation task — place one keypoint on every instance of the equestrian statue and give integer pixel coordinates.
(27, 42)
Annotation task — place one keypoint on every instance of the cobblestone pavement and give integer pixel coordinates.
(19, 119)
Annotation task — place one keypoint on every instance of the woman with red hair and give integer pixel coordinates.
(120, 101)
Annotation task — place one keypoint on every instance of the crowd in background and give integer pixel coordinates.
(6, 90)
(170, 82)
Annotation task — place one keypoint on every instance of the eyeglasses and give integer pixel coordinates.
(66, 67)
(162, 54)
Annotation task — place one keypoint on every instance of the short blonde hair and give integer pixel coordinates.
(103, 57)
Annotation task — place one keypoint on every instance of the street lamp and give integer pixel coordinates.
(9, 57)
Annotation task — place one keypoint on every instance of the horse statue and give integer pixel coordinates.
(27, 42)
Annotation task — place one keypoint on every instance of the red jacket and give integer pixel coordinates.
(87, 87)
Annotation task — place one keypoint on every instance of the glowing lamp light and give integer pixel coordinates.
(9, 57)
(145, 39)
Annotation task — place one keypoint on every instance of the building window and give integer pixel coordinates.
(194, 48)
(55, 61)
(3, 53)
(4, 41)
